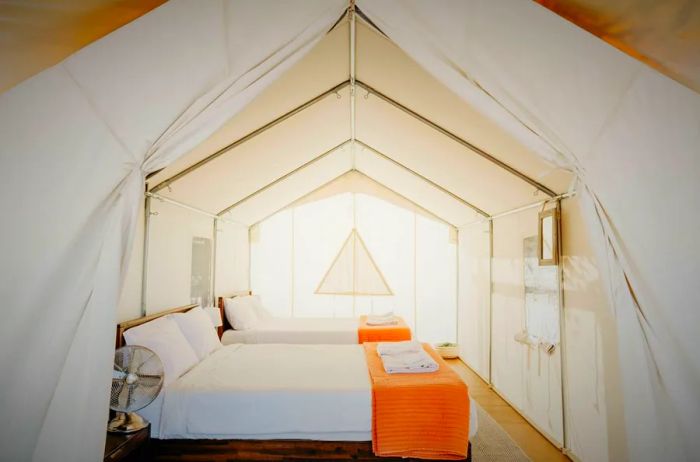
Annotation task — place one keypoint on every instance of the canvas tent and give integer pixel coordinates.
(508, 115)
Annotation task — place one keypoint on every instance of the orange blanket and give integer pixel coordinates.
(394, 333)
(423, 415)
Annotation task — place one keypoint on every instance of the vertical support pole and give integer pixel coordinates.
(353, 87)
(354, 256)
(456, 287)
(144, 273)
(250, 262)
(351, 17)
(562, 326)
(212, 289)
(415, 271)
(490, 303)
(293, 269)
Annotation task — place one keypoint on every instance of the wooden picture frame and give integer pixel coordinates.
(548, 237)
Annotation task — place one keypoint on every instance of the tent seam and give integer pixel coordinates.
(97, 112)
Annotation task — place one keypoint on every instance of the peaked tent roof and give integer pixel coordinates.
(661, 34)
(408, 128)
(578, 101)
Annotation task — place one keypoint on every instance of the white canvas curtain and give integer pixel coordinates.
(291, 252)
(631, 135)
(76, 143)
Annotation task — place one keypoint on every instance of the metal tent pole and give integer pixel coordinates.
(283, 177)
(562, 330)
(144, 272)
(251, 135)
(427, 180)
(456, 138)
(188, 207)
(351, 15)
(490, 304)
(520, 209)
(215, 238)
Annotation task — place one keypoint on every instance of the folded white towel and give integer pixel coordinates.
(409, 363)
(381, 321)
(398, 348)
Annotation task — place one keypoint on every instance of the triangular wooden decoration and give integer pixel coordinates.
(353, 271)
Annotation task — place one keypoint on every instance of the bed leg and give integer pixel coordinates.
(469, 452)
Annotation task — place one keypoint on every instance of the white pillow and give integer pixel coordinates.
(167, 341)
(259, 309)
(240, 312)
(198, 329)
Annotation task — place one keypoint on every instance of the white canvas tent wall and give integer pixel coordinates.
(119, 109)
(595, 115)
(598, 114)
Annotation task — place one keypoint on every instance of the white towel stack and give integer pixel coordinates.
(405, 357)
(386, 319)
(398, 348)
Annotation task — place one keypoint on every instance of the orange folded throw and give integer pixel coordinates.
(393, 333)
(424, 415)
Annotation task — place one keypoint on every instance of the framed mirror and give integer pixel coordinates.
(548, 237)
(200, 275)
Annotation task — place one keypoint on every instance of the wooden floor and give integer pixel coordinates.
(536, 446)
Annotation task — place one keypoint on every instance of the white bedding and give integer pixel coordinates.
(317, 392)
(297, 330)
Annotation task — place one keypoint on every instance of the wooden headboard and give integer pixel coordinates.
(123, 326)
(220, 303)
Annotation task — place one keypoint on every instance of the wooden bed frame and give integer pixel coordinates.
(124, 326)
(175, 450)
(220, 303)
(269, 450)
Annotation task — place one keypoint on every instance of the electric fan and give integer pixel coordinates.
(136, 380)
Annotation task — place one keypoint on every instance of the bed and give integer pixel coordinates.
(270, 329)
(269, 402)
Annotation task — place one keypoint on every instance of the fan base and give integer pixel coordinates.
(127, 422)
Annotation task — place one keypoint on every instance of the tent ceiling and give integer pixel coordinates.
(36, 34)
(415, 160)
(279, 194)
(325, 66)
(414, 188)
(340, 162)
(357, 182)
(665, 35)
(232, 176)
(439, 158)
(382, 65)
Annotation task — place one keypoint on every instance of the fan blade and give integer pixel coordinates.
(132, 364)
(149, 380)
(129, 396)
(118, 375)
(144, 362)
(119, 393)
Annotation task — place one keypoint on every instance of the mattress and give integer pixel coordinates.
(297, 330)
(271, 392)
(315, 392)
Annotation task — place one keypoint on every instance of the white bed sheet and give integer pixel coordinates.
(330, 331)
(271, 392)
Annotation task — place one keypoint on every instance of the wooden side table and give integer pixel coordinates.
(131, 447)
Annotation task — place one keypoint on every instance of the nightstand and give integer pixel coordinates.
(131, 447)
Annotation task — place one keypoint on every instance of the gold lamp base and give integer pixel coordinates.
(127, 422)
